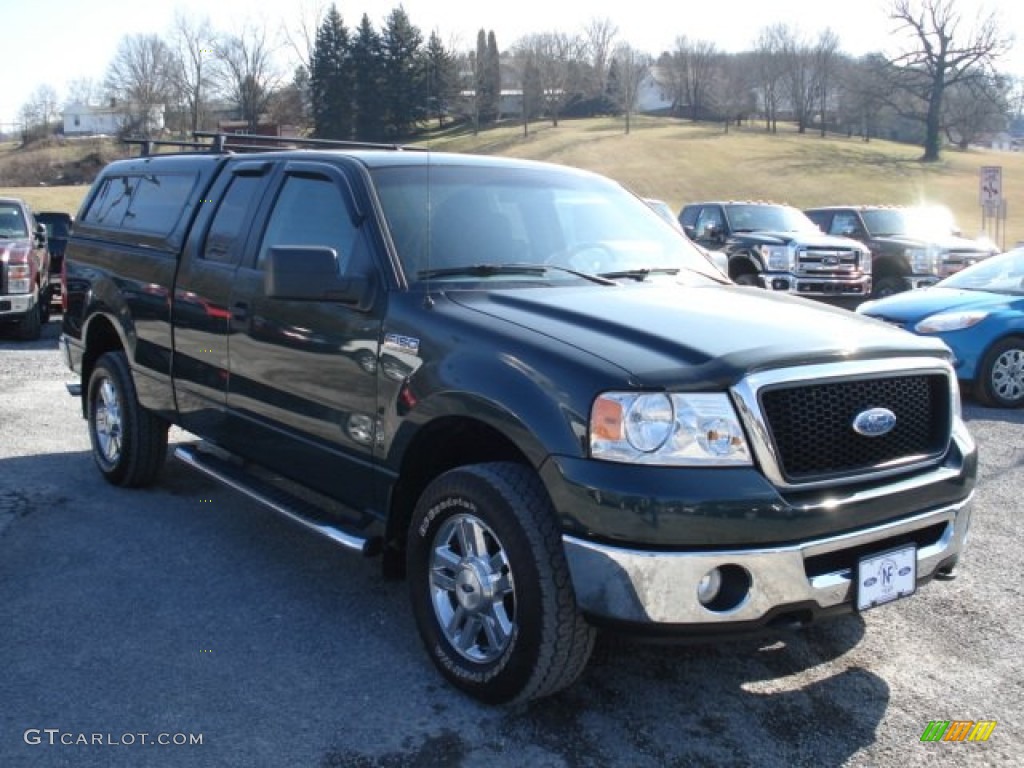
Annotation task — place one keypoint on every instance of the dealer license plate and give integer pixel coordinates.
(886, 577)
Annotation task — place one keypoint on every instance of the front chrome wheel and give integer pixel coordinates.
(472, 588)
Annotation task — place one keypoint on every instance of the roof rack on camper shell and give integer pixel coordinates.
(212, 141)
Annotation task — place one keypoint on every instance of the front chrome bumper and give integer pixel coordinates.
(642, 587)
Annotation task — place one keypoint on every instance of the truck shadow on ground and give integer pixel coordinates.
(324, 648)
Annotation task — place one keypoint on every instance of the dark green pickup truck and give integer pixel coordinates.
(521, 388)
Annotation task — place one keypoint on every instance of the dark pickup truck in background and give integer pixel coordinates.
(24, 269)
(517, 386)
(910, 246)
(58, 229)
(777, 247)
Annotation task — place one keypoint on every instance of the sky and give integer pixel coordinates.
(54, 42)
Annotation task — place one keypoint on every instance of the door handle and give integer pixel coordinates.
(240, 311)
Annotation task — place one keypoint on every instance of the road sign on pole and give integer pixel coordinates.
(991, 187)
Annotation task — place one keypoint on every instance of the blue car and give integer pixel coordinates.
(979, 314)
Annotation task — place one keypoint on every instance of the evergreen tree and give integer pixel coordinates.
(405, 94)
(369, 82)
(442, 77)
(331, 82)
(488, 77)
(481, 92)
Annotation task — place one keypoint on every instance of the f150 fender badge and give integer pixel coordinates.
(874, 422)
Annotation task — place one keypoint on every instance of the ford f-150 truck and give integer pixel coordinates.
(512, 382)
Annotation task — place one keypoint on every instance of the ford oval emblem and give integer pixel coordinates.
(874, 422)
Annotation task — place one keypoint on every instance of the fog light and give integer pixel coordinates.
(710, 584)
(780, 284)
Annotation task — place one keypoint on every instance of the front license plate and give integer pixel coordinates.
(886, 577)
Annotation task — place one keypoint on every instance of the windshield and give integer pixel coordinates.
(768, 218)
(925, 222)
(12, 222)
(999, 274)
(461, 222)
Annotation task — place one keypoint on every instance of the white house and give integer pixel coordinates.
(89, 120)
(653, 94)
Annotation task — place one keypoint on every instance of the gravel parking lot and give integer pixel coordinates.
(185, 613)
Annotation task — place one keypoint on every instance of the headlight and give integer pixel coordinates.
(866, 262)
(923, 260)
(19, 278)
(778, 258)
(667, 429)
(950, 321)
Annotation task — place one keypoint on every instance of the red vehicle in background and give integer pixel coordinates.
(24, 269)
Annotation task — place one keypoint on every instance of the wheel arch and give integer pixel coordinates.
(441, 445)
(101, 335)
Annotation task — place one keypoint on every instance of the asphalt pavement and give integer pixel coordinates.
(184, 626)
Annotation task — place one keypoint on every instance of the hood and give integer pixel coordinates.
(950, 243)
(672, 335)
(911, 307)
(805, 238)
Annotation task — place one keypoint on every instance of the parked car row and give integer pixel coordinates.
(847, 251)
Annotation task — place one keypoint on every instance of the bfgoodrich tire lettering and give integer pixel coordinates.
(129, 443)
(490, 587)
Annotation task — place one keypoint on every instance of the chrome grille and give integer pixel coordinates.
(812, 425)
(800, 420)
(821, 261)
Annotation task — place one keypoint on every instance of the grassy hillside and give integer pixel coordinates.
(680, 162)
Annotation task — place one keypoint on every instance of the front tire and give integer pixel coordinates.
(31, 326)
(129, 443)
(490, 587)
(888, 286)
(1000, 381)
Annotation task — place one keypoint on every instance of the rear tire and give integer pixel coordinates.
(129, 443)
(1000, 377)
(490, 586)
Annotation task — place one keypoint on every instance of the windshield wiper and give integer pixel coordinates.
(488, 270)
(641, 273)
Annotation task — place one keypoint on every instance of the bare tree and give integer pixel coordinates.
(799, 75)
(826, 56)
(250, 75)
(554, 56)
(40, 112)
(769, 62)
(974, 109)
(736, 79)
(599, 38)
(692, 73)
(300, 36)
(83, 90)
(197, 61)
(937, 56)
(632, 68)
(141, 75)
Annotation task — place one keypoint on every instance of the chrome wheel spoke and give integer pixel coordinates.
(471, 538)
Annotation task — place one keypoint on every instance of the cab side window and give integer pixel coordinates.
(709, 219)
(225, 236)
(310, 211)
